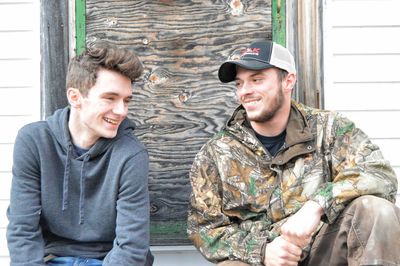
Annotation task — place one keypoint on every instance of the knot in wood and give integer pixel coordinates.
(184, 96)
(153, 208)
(111, 22)
(236, 7)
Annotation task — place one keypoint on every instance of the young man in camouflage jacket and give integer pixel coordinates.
(286, 184)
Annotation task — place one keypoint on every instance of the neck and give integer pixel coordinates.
(80, 136)
(276, 125)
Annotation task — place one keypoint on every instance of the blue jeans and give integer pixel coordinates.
(74, 261)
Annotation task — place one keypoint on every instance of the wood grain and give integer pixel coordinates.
(54, 54)
(179, 103)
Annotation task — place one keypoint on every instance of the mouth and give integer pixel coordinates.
(250, 102)
(111, 121)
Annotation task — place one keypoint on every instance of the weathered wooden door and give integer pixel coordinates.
(179, 103)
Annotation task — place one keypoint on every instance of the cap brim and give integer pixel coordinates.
(227, 71)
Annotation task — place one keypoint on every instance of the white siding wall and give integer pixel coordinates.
(362, 55)
(19, 88)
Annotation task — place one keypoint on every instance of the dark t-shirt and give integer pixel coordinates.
(272, 144)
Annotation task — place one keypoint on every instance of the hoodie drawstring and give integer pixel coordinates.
(82, 184)
(66, 178)
(82, 192)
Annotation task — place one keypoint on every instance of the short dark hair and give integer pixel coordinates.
(82, 69)
(282, 74)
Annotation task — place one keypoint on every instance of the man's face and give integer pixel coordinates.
(106, 105)
(260, 92)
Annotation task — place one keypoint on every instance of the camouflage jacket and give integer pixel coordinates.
(241, 194)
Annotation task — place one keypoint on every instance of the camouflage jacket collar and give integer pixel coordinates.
(299, 137)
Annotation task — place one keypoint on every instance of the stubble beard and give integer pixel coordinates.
(269, 113)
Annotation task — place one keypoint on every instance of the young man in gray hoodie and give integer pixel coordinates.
(80, 179)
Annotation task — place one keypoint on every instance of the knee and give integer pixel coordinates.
(372, 206)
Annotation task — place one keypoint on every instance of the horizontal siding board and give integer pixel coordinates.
(6, 151)
(17, 73)
(376, 124)
(14, 2)
(5, 178)
(3, 246)
(15, 123)
(390, 149)
(397, 171)
(15, 44)
(364, 13)
(13, 17)
(363, 96)
(3, 213)
(379, 40)
(23, 102)
(365, 68)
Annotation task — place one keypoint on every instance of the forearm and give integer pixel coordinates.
(24, 234)
(132, 239)
(220, 240)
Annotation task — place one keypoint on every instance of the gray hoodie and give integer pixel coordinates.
(95, 205)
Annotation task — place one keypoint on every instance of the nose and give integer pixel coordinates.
(244, 89)
(121, 108)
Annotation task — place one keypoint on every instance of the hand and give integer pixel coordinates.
(281, 252)
(299, 228)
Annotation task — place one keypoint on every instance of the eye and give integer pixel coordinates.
(238, 84)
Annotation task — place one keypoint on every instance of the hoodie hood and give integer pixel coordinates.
(58, 124)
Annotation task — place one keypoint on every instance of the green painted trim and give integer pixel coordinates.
(279, 21)
(168, 232)
(80, 25)
(169, 228)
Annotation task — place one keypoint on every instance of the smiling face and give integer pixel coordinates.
(260, 92)
(99, 114)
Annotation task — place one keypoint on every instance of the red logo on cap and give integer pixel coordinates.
(250, 51)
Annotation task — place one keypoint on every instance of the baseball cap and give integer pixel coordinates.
(259, 55)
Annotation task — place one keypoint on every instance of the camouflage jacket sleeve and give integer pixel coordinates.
(357, 168)
(215, 233)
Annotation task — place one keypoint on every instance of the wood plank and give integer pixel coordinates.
(370, 96)
(369, 40)
(364, 13)
(54, 41)
(365, 68)
(179, 104)
(377, 124)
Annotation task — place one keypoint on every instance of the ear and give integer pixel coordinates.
(288, 83)
(74, 97)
